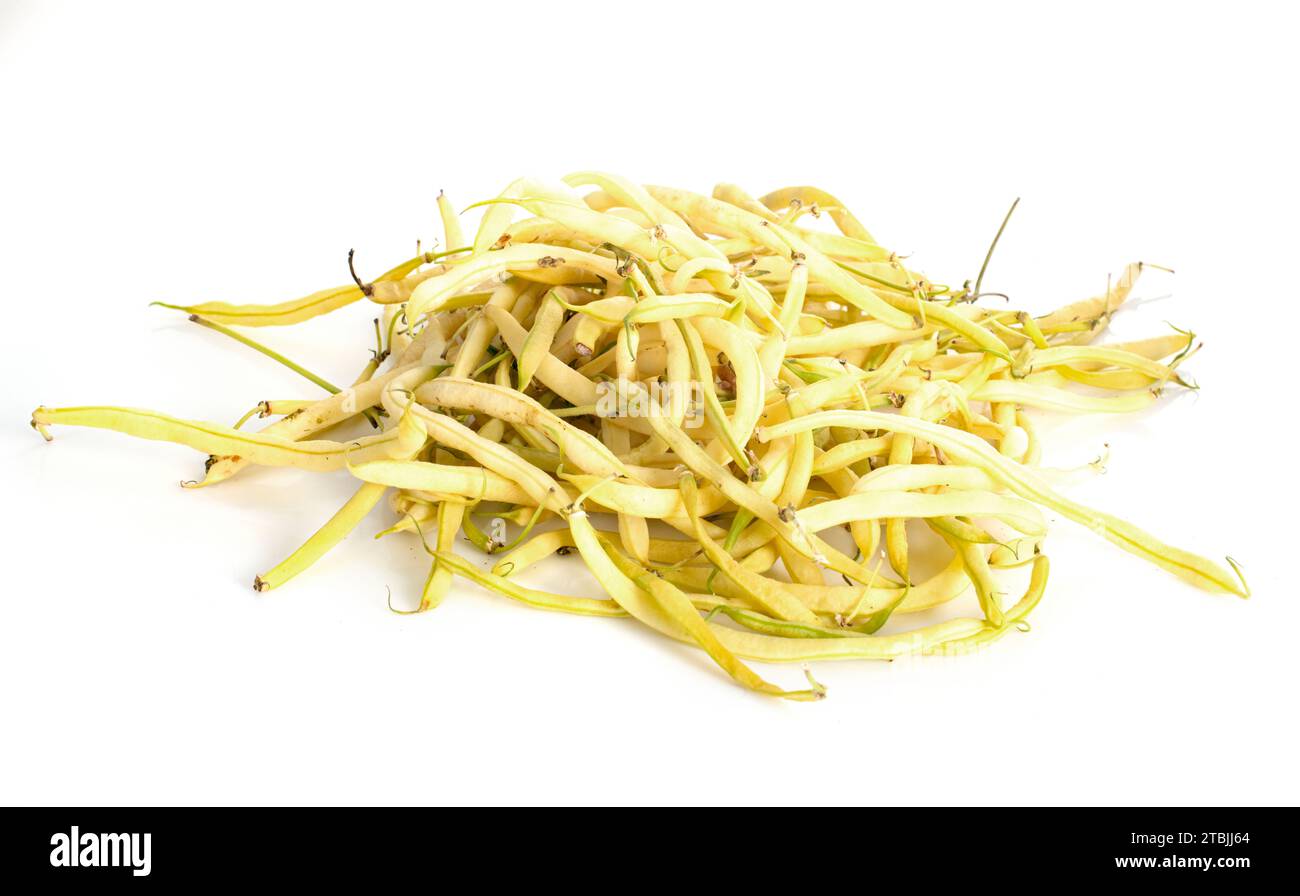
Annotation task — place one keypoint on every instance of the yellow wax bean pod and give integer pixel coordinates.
(847, 454)
(681, 279)
(771, 649)
(834, 340)
(598, 319)
(1012, 618)
(729, 219)
(515, 295)
(810, 197)
(435, 293)
(412, 511)
(766, 594)
(410, 440)
(467, 481)
(847, 601)
(1024, 482)
(642, 500)
(792, 303)
(537, 345)
(736, 196)
(630, 194)
(213, 438)
(795, 490)
(840, 248)
(916, 476)
(1154, 348)
(318, 416)
(657, 604)
(499, 214)
(427, 347)
(1093, 315)
(1045, 397)
(702, 369)
(296, 310)
(679, 607)
(593, 226)
(901, 453)
(784, 522)
(580, 447)
(672, 552)
(566, 382)
(1015, 512)
(1111, 380)
(438, 583)
(338, 526)
(653, 309)
(748, 380)
(613, 230)
(541, 488)
(453, 235)
(1103, 356)
(539, 600)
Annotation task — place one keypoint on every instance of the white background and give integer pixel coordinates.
(190, 152)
